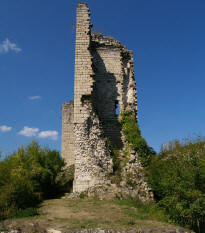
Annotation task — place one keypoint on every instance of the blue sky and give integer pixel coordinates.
(37, 41)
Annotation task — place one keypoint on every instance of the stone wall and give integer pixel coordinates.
(114, 84)
(67, 133)
(107, 65)
(83, 64)
(104, 87)
(92, 158)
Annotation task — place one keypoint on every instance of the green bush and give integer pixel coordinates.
(23, 213)
(83, 194)
(27, 177)
(65, 179)
(177, 177)
(134, 139)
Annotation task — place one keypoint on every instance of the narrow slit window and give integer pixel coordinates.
(117, 109)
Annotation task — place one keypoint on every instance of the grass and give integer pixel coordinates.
(64, 214)
(142, 211)
(23, 213)
(3, 228)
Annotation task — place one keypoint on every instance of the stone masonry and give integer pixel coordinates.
(104, 87)
(67, 133)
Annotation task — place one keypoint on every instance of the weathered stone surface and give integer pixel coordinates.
(133, 180)
(27, 227)
(51, 230)
(104, 87)
(67, 133)
(93, 163)
(139, 230)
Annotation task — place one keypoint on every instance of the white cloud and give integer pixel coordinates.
(48, 134)
(35, 97)
(34, 132)
(7, 46)
(29, 132)
(4, 128)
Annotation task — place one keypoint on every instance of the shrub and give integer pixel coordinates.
(177, 177)
(83, 194)
(27, 177)
(65, 179)
(23, 213)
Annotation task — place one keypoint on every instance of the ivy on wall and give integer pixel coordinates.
(134, 139)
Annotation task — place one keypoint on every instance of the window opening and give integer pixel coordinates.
(117, 108)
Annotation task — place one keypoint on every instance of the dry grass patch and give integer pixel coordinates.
(64, 214)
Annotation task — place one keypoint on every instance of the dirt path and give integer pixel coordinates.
(66, 214)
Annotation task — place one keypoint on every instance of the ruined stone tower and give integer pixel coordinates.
(104, 87)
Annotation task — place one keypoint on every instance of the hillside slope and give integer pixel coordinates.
(68, 215)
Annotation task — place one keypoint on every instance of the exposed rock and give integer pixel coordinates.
(133, 180)
(140, 230)
(15, 227)
(53, 231)
(28, 227)
(98, 230)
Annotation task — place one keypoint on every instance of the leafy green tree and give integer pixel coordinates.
(177, 177)
(27, 177)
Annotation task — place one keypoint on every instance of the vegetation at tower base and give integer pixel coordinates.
(177, 177)
(128, 173)
(134, 139)
(27, 177)
(65, 179)
(119, 159)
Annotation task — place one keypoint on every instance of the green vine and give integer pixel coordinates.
(134, 139)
